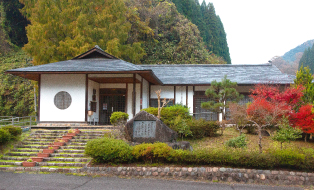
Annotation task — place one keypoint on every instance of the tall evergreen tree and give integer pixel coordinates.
(307, 60)
(209, 24)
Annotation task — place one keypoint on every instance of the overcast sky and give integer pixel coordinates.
(258, 30)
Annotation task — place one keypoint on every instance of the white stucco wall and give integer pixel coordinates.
(50, 85)
(166, 91)
(93, 85)
(129, 101)
(190, 98)
(181, 95)
(145, 102)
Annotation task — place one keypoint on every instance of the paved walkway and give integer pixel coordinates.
(25, 181)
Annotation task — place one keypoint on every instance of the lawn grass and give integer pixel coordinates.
(252, 141)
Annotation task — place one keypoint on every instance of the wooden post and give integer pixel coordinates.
(141, 99)
(134, 95)
(187, 96)
(86, 96)
(149, 93)
(39, 83)
(174, 95)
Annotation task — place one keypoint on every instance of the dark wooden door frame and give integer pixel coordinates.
(102, 95)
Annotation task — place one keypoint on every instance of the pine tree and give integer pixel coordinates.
(307, 60)
(209, 24)
(304, 78)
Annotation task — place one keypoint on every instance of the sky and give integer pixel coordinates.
(259, 30)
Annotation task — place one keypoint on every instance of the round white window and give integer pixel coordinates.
(62, 100)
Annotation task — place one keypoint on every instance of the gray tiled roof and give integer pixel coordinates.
(84, 65)
(205, 74)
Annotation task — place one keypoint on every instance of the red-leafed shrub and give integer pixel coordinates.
(303, 118)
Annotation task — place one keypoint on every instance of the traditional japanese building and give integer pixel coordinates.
(92, 85)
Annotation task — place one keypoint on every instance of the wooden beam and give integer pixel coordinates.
(86, 96)
(39, 84)
(134, 95)
(113, 79)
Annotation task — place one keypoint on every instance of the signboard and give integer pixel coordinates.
(144, 129)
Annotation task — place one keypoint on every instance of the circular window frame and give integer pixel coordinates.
(62, 100)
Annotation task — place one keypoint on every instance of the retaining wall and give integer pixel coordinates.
(215, 174)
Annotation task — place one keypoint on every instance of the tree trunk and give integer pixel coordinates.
(281, 145)
(305, 137)
(260, 139)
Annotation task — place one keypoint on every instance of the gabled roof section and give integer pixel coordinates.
(95, 52)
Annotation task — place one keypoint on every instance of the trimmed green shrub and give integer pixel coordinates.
(169, 114)
(117, 117)
(5, 136)
(14, 131)
(201, 128)
(152, 153)
(181, 127)
(270, 159)
(106, 150)
(237, 142)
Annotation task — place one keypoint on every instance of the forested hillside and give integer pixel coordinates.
(307, 60)
(16, 93)
(289, 62)
(291, 55)
(209, 24)
(146, 31)
(138, 31)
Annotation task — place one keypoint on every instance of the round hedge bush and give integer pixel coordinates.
(108, 150)
(5, 136)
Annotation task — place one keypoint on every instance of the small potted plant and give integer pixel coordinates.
(59, 142)
(49, 150)
(71, 132)
(77, 131)
(37, 159)
(55, 147)
(67, 137)
(41, 154)
(29, 163)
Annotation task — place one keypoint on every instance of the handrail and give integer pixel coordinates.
(26, 121)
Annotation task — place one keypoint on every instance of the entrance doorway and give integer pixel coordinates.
(111, 100)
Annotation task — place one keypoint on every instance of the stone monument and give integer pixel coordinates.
(145, 127)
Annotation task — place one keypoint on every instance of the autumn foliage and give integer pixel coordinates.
(303, 118)
(270, 105)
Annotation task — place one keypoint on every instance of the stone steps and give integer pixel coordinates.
(15, 158)
(36, 143)
(66, 159)
(75, 164)
(69, 151)
(25, 150)
(33, 146)
(22, 154)
(74, 155)
(71, 155)
(76, 144)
